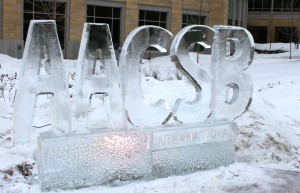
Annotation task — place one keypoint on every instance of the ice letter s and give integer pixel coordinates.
(42, 72)
(232, 54)
(197, 110)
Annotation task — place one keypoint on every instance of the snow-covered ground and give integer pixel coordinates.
(267, 145)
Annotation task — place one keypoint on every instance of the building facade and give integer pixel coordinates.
(274, 20)
(121, 15)
(238, 13)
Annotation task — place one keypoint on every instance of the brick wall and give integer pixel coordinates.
(131, 16)
(218, 13)
(77, 18)
(176, 16)
(196, 5)
(1, 20)
(12, 19)
(273, 20)
(13, 24)
(161, 3)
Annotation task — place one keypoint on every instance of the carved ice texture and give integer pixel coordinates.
(73, 161)
(42, 72)
(92, 159)
(198, 74)
(232, 54)
(97, 73)
(138, 112)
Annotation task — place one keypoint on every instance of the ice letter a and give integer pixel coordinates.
(42, 72)
(97, 75)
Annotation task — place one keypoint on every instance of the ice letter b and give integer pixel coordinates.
(42, 72)
(232, 54)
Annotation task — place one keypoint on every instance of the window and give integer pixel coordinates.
(190, 19)
(38, 9)
(286, 6)
(278, 5)
(157, 18)
(284, 34)
(237, 10)
(260, 5)
(109, 15)
(259, 33)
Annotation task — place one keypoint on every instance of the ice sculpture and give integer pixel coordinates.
(200, 77)
(97, 74)
(151, 149)
(232, 86)
(42, 72)
(138, 112)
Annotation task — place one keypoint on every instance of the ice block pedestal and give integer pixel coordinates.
(115, 157)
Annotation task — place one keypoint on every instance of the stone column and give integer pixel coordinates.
(176, 16)
(218, 12)
(12, 19)
(12, 28)
(77, 18)
(1, 21)
(131, 16)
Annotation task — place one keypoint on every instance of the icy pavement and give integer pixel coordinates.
(282, 181)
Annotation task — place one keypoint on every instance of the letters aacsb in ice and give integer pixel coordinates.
(132, 127)
(121, 89)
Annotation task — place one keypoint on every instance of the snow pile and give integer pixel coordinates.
(268, 134)
(275, 46)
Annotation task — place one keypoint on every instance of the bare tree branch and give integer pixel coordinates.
(289, 7)
(48, 9)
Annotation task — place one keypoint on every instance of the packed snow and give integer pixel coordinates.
(267, 146)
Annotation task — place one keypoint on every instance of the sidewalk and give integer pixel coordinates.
(283, 182)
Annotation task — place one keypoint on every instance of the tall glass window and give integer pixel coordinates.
(259, 33)
(109, 15)
(260, 5)
(157, 18)
(277, 5)
(38, 9)
(237, 12)
(191, 19)
(284, 34)
(286, 6)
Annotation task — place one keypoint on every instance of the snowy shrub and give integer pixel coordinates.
(152, 73)
(174, 75)
(8, 86)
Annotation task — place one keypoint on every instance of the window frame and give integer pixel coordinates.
(66, 20)
(195, 13)
(283, 33)
(253, 8)
(120, 5)
(284, 8)
(239, 14)
(155, 9)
